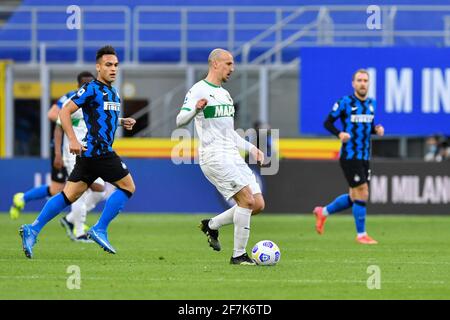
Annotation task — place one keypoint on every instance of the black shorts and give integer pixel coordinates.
(109, 167)
(58, 175)
(357, 172)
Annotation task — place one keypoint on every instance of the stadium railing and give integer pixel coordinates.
(186, 34)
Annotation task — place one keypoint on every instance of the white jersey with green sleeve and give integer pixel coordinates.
(215, 123)
(80, 130)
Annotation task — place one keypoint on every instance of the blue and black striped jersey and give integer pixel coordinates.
(101, 109)
(357, 118)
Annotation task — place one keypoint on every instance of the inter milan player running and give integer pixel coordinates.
(100, 103)
(357, 113)
(213, 110)
(74, 222)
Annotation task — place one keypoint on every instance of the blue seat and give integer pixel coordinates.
(200, 41)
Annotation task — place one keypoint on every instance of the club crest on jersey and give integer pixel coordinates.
(112, 106)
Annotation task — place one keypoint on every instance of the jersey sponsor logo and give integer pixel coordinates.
(361, 118)
(224, 111)
(113, 106)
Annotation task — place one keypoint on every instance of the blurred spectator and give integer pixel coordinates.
(443, 152)
(437, 149)
(22, 137)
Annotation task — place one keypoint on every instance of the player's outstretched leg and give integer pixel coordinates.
(21, 199)
(320, 219)
(210, 227)
(211, 235)
(339, 204)
(113, 206)
(17, 206)
(29, 232)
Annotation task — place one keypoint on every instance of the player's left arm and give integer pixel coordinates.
(377, 129)
(127, 123)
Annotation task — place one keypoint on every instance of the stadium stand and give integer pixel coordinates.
(148, 32)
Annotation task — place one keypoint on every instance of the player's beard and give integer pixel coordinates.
(362, 93)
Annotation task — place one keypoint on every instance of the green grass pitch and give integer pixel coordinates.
(166, 256)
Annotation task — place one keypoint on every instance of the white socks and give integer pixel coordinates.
(222, 219)
(241, 221)
(77, 215)
(93, 198)
(81, 207)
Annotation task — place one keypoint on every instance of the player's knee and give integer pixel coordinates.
(132, 188)
(258, 207)
(72, 196)
(55, 188)
(97, 187)
(362, 194)
(247, 202)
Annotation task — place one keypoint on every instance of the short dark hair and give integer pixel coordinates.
(84, 74)
(105, 50)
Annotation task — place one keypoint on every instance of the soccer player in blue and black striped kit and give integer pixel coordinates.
(357, 113)
(100, 103)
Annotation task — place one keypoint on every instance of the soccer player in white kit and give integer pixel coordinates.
(212, 107)
(74, 222)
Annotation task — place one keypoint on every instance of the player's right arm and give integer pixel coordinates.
(335, 113)
(194, 102)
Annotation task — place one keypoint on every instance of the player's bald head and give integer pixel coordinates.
(218, 54)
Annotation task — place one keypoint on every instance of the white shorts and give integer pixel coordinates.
(229, 177)
(69, 163)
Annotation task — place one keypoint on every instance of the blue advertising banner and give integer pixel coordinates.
(411, 86)
(161, 186)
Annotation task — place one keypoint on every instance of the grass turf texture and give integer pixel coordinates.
(167, 257)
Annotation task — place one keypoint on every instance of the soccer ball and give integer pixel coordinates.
(266, 253)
